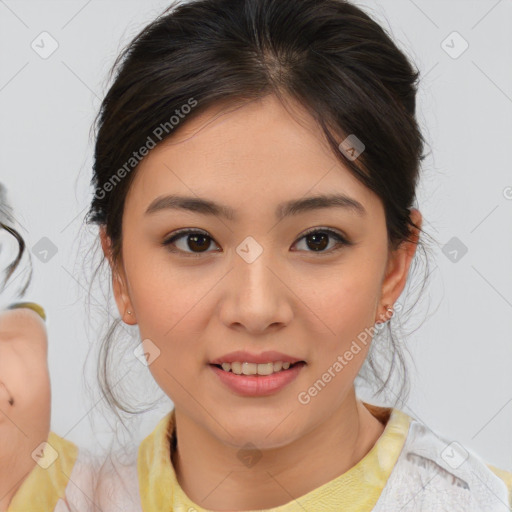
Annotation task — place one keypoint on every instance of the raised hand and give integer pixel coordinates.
(25, 397)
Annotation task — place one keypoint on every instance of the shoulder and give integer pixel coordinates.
(436, 473)
(117, 486)
(63, 479)
(97, 482)
(506, 476)
(81, 488)
(125, 471)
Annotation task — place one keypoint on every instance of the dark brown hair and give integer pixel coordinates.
(7, 223)
(329, 55)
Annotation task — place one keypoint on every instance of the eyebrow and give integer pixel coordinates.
(286, 209)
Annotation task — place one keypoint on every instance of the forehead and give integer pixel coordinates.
(261, 150)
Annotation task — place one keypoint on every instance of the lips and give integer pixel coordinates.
(258, 385)
(248, 357)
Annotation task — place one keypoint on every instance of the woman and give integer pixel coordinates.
(254, 187)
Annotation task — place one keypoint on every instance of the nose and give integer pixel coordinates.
(257, 295)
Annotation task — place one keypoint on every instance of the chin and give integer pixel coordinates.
(266, 435)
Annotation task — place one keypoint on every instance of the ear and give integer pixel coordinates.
(397, 268)
(119, 282)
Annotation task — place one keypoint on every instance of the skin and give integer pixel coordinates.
(291, 299)
(25, 379)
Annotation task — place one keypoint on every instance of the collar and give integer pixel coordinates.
(356, 490)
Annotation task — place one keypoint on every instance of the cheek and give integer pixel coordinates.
(170, 302)
(171, 320)
(169, 297)
(345, 308)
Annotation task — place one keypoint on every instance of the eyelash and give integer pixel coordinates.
(341, 240)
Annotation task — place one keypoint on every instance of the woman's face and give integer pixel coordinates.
(254, 282)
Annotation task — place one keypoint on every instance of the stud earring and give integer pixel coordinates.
(390, 311)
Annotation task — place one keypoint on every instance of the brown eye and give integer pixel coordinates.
(191, 242)
(199, 242)
(317, 240)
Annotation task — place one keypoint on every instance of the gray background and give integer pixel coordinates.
(462, 379)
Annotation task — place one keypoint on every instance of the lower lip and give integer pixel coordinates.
(258, 385)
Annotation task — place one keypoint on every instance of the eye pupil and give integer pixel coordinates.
(202, 238)
(318, 237)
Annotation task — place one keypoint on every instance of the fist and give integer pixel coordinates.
(25, 397)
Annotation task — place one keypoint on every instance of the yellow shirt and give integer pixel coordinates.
(66, 480)
(356, 490)
(63, 480)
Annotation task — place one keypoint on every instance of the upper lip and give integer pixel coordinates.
(247, 357)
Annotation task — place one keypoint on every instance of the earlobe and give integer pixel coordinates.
(397, 269)
(119, 286)
(122, 297)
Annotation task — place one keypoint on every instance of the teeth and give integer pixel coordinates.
(252, 368)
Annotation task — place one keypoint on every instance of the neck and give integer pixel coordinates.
(211, 475)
